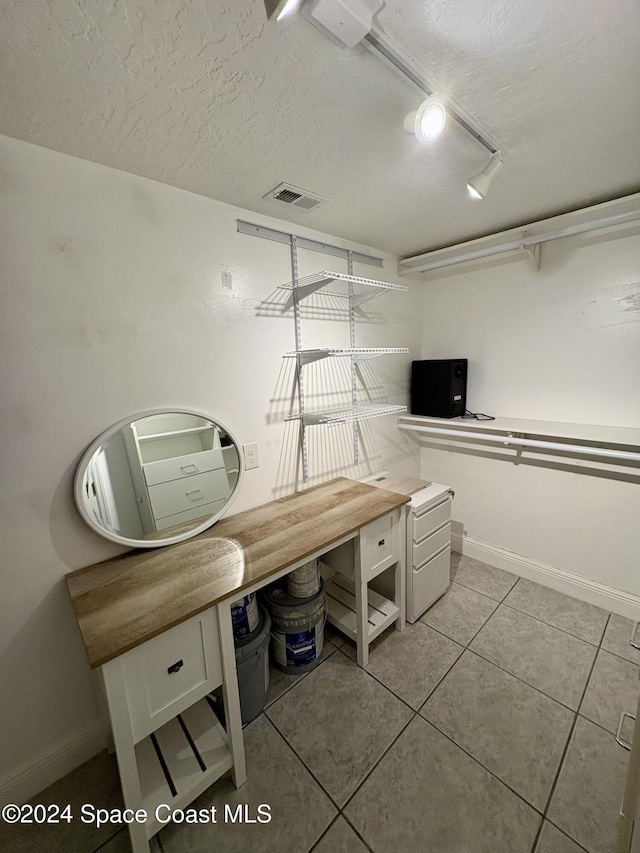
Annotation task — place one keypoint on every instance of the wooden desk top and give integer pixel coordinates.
(123, 602)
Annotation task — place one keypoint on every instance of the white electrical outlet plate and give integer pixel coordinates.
(251, 459)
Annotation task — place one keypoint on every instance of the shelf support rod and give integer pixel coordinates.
(513, 441)
(352, 343)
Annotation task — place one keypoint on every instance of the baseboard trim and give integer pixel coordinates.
(623, 603)
(20, 785)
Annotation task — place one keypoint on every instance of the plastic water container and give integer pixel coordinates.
(297, 629)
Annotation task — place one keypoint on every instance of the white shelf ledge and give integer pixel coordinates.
(189, 764)
(347, 414)
(352, 287)
(341, 609)
(356, 353)
(609, 214)
(620, 444)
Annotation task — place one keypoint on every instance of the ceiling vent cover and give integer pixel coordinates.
(303, 199)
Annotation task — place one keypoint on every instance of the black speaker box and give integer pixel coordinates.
(439, 387)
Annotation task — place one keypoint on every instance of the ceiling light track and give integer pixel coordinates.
(379, 44)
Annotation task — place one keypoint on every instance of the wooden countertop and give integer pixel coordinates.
(123, 602)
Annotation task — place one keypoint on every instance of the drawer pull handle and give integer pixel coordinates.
(197, 492)
(175, 667)
(381, 543)
(185, 469)
(634, 636)
(624, 743)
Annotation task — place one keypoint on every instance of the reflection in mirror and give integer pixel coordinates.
(158, 478)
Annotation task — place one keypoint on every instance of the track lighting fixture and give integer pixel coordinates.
(427, 122)
(279, 9)
(478, 186)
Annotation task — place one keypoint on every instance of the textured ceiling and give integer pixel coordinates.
(209, 96)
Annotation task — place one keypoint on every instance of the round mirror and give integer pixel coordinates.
(158, 478)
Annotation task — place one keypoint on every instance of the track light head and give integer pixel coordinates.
(279, 9)
(478, 186)
(427, 122)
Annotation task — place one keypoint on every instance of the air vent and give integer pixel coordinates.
(303, 199)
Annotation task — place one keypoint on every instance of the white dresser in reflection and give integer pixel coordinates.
(187, 472)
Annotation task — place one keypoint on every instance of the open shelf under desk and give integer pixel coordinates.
(176, 767)
(341, 608)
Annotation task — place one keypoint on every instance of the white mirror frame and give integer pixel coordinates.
(78, 485)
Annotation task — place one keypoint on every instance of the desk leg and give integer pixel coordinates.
(125, 750)
(233, 716)
(362, 611)
(400, 589)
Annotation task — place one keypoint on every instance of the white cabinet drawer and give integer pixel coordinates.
(379, 544)
(427, 521)
(430, 581)
(431, 544)
(201, 511)
(188, 493)
(169, 673)
(183, 466)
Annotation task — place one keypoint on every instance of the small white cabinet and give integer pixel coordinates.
(428, 547)
(169, 742)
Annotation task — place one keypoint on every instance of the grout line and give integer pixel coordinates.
(122, 828)
(519, 678)
(566, 749)
(348, 822)
(551, 625)
(374, 767)
(396, 695)
(323, 833)
(488, 660)
(480, 764)
(304, 764)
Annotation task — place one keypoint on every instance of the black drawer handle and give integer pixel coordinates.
(381, 543)
(175, 667)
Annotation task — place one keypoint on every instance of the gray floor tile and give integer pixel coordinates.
(576, 617)
(553, 841)
(513, 730)
(120, 843)
(543, 656)
(275, 777)
(586, 802)
(95, 783)
(482, 577)
(339, 720)
(410, 663)
(280, 682)
(333, 635)
(340, 838)
(614, 687)
(616, 638)
(460, 613)
(428, 795)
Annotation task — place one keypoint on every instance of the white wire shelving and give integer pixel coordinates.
(355, 291)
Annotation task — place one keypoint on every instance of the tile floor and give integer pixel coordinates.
(486, 727)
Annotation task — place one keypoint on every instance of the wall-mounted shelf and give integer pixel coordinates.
(530, 238)
(355, 291)
(331, 417)
(614, 444)
(307, 356)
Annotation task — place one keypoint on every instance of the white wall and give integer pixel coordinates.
(122, 295)
(559, 344)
